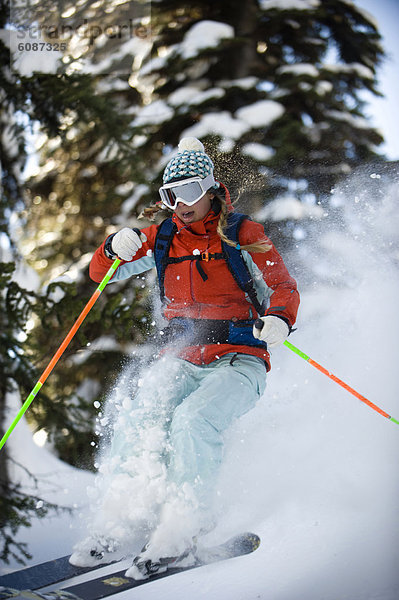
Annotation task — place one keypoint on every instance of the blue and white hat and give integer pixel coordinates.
(191, 161)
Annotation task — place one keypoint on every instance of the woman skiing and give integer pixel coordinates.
(217, 273)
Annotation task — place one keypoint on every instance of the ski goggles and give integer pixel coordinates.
(187, 191)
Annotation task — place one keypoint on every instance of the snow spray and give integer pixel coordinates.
(60, 351)
(362, 225)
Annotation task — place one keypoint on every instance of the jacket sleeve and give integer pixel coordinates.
(284, 300)
(100, 263)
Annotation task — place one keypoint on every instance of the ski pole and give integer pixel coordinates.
(60, 350)
(348, 388)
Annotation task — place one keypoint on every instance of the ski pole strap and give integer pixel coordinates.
(347, 387)
(60, 350)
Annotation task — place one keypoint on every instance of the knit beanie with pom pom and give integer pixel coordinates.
(191, 161)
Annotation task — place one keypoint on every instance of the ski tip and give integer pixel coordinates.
(251, 541)
(243, 543)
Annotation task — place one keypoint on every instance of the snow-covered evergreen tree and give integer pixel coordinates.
(274, 87)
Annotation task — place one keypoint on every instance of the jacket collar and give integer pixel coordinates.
(205, 226)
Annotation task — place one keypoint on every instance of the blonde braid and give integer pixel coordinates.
(259, 246)
(150, 211)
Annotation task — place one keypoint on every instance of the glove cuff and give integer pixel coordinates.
(109, 253)
(286, 321)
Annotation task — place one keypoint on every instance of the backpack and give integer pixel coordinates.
(232, 256)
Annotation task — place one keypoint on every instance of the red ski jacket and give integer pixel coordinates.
(187, 295)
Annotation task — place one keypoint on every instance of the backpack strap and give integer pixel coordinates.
(163, 240)
(235, 261)
(232, 255)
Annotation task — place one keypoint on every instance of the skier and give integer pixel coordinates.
(167, 445)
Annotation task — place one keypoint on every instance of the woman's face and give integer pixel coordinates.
(196, 212)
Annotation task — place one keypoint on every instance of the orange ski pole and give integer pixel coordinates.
(348, 388)
(60, 350)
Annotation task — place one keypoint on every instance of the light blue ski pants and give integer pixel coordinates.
(179, 415)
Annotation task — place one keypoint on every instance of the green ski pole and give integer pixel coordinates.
(348, 388)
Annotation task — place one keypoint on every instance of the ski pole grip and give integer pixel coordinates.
(259, 324)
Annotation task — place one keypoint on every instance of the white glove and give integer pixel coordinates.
(126, 242)
(274, 331)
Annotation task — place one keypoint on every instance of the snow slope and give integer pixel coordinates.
(311, 469)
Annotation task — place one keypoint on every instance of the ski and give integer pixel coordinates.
(115, 582)
(45, 574)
